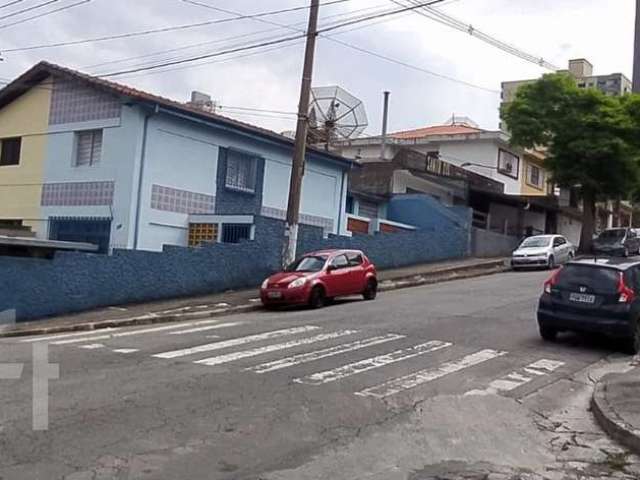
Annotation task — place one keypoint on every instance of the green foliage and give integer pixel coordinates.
(592, 140)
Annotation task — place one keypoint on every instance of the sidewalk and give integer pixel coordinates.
(616, 406)
(207, 306)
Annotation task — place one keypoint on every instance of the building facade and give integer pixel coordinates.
(84, 159)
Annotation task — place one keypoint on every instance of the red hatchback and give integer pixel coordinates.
(321, 276)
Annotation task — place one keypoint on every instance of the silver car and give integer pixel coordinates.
(542, 251)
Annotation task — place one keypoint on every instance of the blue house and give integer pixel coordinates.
(122, 168)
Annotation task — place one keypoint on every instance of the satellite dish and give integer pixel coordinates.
(335, 114)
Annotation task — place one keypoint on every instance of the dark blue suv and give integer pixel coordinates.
(593, 295)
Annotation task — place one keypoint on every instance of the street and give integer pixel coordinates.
(451, 377)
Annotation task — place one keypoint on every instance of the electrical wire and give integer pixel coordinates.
(272, 42)
(164, 29)
(443, 18)
(28, 9)
(15, 2)
(45, 14)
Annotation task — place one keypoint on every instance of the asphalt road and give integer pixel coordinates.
(385, 389)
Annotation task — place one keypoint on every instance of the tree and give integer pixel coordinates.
(592, 140)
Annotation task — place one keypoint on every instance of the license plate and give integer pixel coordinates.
(274, 294)
(582, 298)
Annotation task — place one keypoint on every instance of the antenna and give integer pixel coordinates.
(335, 114)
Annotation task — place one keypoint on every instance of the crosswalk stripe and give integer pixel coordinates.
(230, 357)
(125, 350)
(234, 342)
(67, 335)
(205, 329)
(515, 379)
(371, 363)
(324, 353)
(412, 380)
(118, 335)
(92, 346)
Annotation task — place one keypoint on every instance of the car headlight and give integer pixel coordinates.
(265, 284)
(298, 283)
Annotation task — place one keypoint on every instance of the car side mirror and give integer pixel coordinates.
(331, 268)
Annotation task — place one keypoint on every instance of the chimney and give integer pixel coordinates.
(202, 101)
(580, 68)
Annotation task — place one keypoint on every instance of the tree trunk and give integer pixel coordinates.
(588, 221)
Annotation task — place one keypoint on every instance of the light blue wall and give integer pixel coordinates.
(184, 155)
(120, 153)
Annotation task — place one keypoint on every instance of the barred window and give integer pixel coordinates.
(241, 171)
(88, 148)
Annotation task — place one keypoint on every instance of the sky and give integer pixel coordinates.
(269, 79)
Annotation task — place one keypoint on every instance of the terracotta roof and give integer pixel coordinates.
(436, 130)
(43, 70)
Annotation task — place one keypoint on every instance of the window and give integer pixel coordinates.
(308, 264)
(235, 233)
(535, 177)
(368, 209)
(340, 262)
(10, 151)
(559, 241)
(200, 233)
(241, 172)
(508, 163)
(88, 148)
(355, 259)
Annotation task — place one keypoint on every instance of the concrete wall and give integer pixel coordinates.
(73, 282)
(489, 244)
(427, 213)
(570, 228)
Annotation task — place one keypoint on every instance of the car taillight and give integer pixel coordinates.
(627, 294)
(551, 282)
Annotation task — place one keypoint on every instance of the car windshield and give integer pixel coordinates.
(536, 242)
(612, 234)
(603, 280)
(308, 264)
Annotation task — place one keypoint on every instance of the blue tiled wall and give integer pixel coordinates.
(73, 281)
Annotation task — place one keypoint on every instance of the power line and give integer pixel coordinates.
(443, 18)
(370, 52)
(165, 29)
(50, 12)
(28, 9)
(11, 4)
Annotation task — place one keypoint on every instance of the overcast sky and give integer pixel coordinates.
(557, 30)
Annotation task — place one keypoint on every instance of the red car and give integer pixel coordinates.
(321, 276)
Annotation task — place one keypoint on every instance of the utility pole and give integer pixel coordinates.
(300, 146)
(385, 118)
(636, 52)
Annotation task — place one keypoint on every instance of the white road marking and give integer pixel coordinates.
(234, 342)
(371, 363)
(231, 357)
(324, 353)
(205, 329)
(125, 350)
(514, 380)
(118, 335)
(421, 377)
(92, 346)
(67, 335)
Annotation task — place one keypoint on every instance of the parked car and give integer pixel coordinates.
(320, 276)
(617, 241)
(542, 251)
(593, 295)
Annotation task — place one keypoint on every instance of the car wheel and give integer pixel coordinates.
(551, 263)
(548, 334)
(632, 344)
(317, 298)
(371, 290)
(571, 256)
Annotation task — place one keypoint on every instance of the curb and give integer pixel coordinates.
(610, 421)
(438, 276)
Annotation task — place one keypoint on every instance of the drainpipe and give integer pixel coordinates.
(385, 118)
(143, 156)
